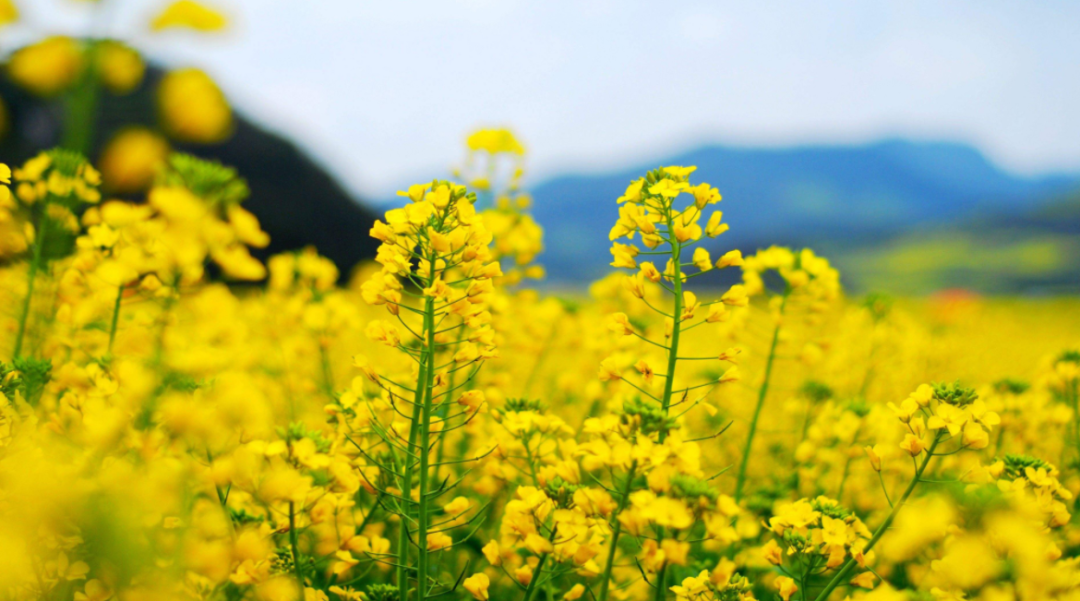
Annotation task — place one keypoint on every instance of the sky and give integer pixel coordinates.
(384, 92)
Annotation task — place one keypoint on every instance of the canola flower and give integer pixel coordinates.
(669, 229)
(442, 233)
(77, 71)
(495, 168)
(436, 429)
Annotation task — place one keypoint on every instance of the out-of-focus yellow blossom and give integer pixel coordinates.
(494, 141)
(477, 586)
(132, 159)
(48, 67)
(9, 13)
(193, 108)
(188, 14)
(120, 67)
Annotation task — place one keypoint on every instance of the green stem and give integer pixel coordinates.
(673, 353)
(847, 467)
(324, 361)
(531, 589)
(406, 482)
(616, 530)
(669, 381)
(849, 565)
(740, 480)
(443, 411)
(370, 514)
(660, 592)
(35, 265)
(425, 452)
(295, 548)
(673, 361)
(419, 427)
(115, 317)
(80, 107)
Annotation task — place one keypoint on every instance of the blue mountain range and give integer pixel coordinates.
(835, 197)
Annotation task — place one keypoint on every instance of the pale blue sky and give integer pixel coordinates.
(383, 92)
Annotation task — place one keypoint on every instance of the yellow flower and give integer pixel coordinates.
(704, 195)
(131, 159)
(732, 258)
(702, 260)
(495, 141)
(9, 13)
(975, 437)
(493, 553)
(864, 580)
(439, 541)
(120, 67)
(473, 399)
(633, 192)
(610, 369)
(575, 592)
(668, 188)
(684, 232)
(679, 172)
(47, 67)
(192, 107)
(923, 395)
(523, 575)
(786, 587)
(620, 324)
(624, 255)
(94, 590)
(415, 193)
(690, 305)
(736, 296)
(773, 553)
(67, 570)
(948, 417)
(537, 544)
(477, 586)
(692, 587)
(912, 444)
(717, 313)
(907, 408)
(645, 370)
(875, 458)
(833, 531)
(715, 226)
(649, 271)
(191, 15)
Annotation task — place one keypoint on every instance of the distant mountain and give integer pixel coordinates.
(838, 198)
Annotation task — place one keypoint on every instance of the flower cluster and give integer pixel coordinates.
(191, 106)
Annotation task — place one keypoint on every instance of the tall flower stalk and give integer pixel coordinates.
(669, 230)
(804, 276)
(50, 188)
(434, 250)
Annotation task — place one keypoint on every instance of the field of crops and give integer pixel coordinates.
(181, 420)
(436, 428)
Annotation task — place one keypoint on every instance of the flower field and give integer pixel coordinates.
(180, 420)
(436, 428)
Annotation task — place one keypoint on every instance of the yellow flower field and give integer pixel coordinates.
(182, 421)
(436, 428)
